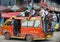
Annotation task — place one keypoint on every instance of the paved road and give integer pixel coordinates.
(55, 38)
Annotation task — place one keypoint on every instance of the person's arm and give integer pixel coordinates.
(30, 15)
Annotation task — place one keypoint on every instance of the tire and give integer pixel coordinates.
(59, 29)
(29, 38)
(7, 36)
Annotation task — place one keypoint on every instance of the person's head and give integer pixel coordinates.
(42, 7)
(53, 11)
(36, 11)
(50, 11)
(13, 18)
(47, 9)
(32, 8)
(26, 8)
(39, 9)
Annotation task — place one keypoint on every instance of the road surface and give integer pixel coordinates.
(55, 38)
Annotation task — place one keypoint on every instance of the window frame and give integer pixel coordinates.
(7, 23)
(22, 22)
(39, 24)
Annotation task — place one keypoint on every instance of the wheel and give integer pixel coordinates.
(7, 36)
(29, 38)
(59, 29)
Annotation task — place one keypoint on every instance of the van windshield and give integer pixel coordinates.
(8, 23)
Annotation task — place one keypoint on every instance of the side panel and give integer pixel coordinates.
(35, 32)
(8, 29)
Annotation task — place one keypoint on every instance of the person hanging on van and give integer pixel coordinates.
(17, 26)
(27, 13)
(59, 20)
(16, 23)
(13, 19)
(51, 19)
(46, 22)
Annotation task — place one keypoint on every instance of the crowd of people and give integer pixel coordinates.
(48, 17)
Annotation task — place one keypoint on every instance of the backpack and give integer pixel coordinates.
(46, 18)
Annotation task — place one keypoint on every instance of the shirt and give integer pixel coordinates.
(54, 17)
(33, 12)
(22, 14)
(46, 12)
(43, 13)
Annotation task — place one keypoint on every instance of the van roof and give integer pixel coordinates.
(24, 18)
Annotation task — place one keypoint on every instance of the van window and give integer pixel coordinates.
(24, 23)
(8, 23)
(37, 23)
(28, 23)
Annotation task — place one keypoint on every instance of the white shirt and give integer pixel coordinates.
(43, 13)
(22, 14)
(54, 17)
(27, 10)
(46, 12)
(33, 12)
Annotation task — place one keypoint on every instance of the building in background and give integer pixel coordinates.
(7, 2)
(13, 2)
(53, 3)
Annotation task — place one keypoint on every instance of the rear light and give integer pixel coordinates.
(48, 36)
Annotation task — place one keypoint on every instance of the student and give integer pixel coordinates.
(59, 19)
(54, 21)
(13, 19)
(17, 27)
(46, 11)
(27, 13)
(33, 11)
(46, 22)
(51, 20)
(42, 12)
(46, 19)
(36, 13)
